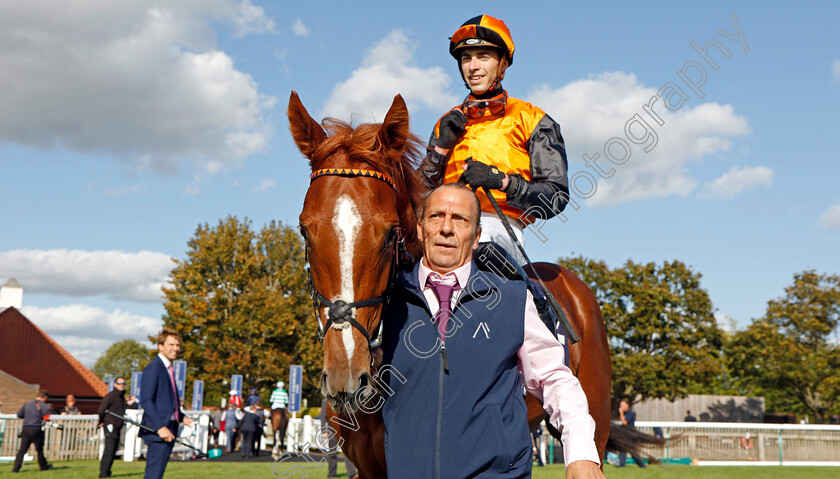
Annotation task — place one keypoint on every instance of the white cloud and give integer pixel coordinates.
(830, 218)
(248, 18)
(264, 185)
(86, 332)
(594, 110)
(137, 80)
(299, 28)
(388, 69)
(737, 180)
(835, 70)
(114, 274)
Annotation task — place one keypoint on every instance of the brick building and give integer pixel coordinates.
(30, 359)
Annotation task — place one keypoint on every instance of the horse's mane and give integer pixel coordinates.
(363, 147)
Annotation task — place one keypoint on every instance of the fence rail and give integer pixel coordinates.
(78, 437)
(746, 442)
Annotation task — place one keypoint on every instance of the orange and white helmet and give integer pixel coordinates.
(483, 30)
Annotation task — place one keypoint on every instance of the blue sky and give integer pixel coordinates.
(125, 125)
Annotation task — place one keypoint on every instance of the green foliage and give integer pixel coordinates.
(121, 359)
(791, 355)
(240, 302)
(663, 335)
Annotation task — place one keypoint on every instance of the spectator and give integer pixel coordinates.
(33, 413)
(254, 397)
(70, 405)
(231, 427)
(116, 402)
(689, 417)
(628, 420)
(215, 425)
(249, 425)
(261, 413)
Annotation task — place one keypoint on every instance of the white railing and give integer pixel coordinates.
(66, 437)
(708, 443)
(79, 436)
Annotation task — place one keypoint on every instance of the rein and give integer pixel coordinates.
(340, 312)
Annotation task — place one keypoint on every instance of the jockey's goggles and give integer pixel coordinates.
(492, 107)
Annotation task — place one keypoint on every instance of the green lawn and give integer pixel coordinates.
(206, 469)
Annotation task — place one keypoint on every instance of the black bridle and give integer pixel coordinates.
(340, 312)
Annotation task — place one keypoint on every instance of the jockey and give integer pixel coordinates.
(279, 397)
(500, 143)
(235, 398)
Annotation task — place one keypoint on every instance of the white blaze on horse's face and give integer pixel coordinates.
(346, 222)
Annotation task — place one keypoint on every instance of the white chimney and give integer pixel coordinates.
(11, 294)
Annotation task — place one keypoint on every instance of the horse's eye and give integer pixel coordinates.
(302, 231)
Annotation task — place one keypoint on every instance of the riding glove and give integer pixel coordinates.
(452, 126)
(482, 175)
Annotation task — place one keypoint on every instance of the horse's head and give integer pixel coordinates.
(359, 207)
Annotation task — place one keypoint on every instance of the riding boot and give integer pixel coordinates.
(495, 259)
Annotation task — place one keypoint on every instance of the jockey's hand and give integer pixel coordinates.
(481, 175)
(452, 126)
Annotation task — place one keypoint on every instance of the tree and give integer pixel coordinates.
(792, 354)
(664, 339)
(121, 359)
(240, 302)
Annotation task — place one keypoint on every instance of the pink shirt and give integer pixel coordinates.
(543, 372)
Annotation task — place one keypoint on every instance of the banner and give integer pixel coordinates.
(295, 387)
(236, 384)
(198, 395)
(136, 377)
(180, 369)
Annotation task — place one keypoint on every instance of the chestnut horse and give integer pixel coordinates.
(359, 207)
(279, 422)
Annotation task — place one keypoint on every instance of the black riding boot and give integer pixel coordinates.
(495, 259)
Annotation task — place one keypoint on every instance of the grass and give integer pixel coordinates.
(207, 469)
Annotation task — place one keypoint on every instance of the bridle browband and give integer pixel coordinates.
(340, 312)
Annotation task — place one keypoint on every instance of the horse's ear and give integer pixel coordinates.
(307, 133)
(394, 132)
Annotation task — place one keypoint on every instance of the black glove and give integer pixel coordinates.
(452, 126)
(481, 175)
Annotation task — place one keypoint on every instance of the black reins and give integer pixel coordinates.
(340, 312)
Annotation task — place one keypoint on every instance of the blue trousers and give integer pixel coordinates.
(231, 439)
(157, 455)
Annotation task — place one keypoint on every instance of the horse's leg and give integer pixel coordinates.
(363, 443)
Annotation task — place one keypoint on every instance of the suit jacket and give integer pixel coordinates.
(157, 397)
(250, 422)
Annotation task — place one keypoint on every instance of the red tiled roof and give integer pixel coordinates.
(29, 354)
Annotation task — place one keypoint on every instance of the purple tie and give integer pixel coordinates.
(443, 292)
(174, 388)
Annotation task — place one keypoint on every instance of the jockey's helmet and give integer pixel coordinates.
(483, 30)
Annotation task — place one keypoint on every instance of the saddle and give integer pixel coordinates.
(493, 258)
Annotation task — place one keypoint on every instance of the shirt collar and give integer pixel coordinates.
(166, 361)
(462, 274)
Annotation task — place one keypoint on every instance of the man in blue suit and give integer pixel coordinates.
(161, 404)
